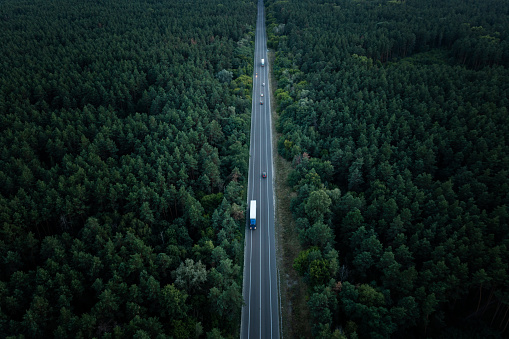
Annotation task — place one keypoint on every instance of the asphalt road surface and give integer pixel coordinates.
(260, 315)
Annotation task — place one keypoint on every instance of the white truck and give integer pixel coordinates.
(263, 62)
(252, 215)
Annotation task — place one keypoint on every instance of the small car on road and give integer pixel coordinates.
(264, 174)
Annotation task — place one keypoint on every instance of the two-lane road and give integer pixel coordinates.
(260, 315)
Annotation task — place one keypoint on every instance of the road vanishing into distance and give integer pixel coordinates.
(260, 315)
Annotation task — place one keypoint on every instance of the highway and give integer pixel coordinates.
(260, 315)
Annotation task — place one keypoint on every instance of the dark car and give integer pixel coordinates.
(261, 102)
(264, 174)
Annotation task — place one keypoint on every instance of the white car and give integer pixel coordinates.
(262, 94)
(263, 84)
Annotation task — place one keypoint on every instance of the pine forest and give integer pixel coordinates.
(394, 117)
(123, 166)
(124, 155)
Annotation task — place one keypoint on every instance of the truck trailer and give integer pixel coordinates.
(252, 215)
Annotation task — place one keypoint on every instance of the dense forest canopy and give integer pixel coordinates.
(123, 165)
(394, 115)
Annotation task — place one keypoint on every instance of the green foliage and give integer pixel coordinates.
(367, 307)
(190, 275)
(211, 202)
(394, 115)
(174, 301)
(123, 158)
(301, 263)
(322, 304)
(312, 266)
(318, 203)
(225, 76)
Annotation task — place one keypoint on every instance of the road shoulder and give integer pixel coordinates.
(293, 291)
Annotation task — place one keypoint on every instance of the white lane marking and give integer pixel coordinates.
(269, 225)
(268, 230)
(252, 150)
(249, 308)
(257, 41)
(251, 183)
(271, 160)
(260, 190)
